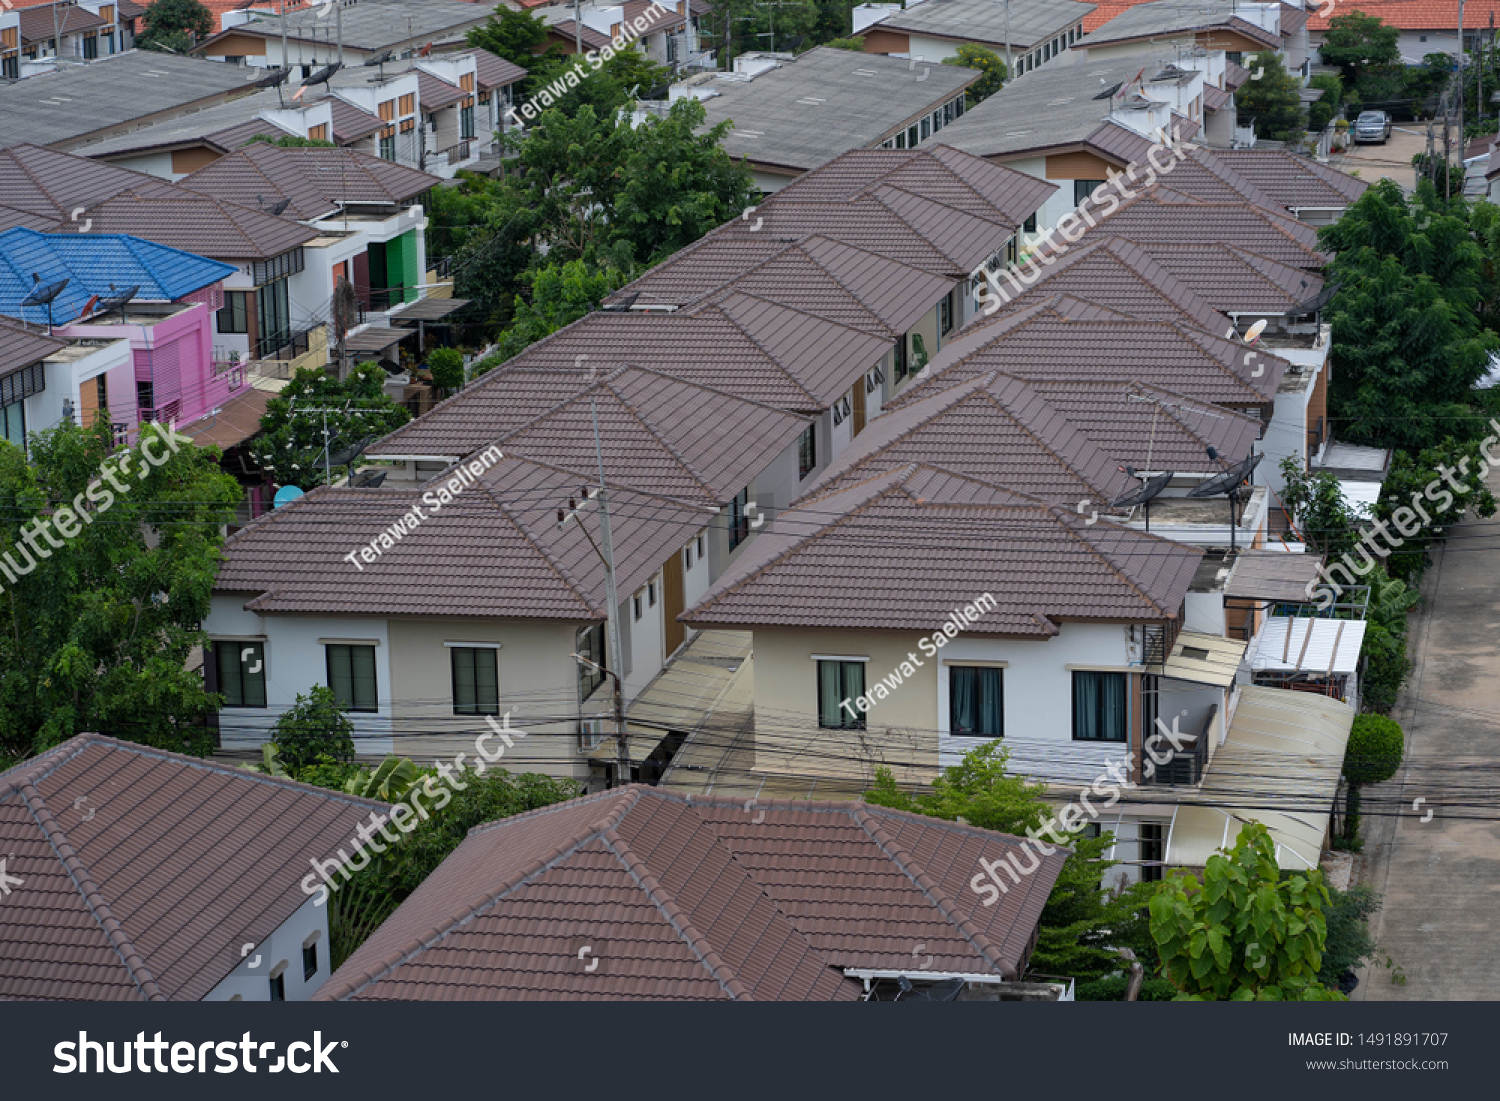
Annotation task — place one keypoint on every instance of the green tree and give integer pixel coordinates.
(1321, 112)
(1323, 517)
(291, 443)
(517, 36)
(567, 172)
(1349, 945)
(98, 632)
(1271, 102)
(677, 183)
(315, 726)
(856, 44)
(447, 367)
(1457, 474)
(174, 24)
(1083, 925)
(1246, 933)
(292, 141)
(1372, 755)
(614, 84)
(1355, 42)
(1385, 640)
(971, 55)
(560, 295)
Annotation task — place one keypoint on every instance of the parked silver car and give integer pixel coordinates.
(1372, 126)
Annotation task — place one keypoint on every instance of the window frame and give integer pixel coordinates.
(309, 960)
(347, 649)
(473, 657)
(1123, 679)
(236, 310)
(807, 451)
(235, 653)
(739, 518)
(278, 987)
(899, 363)
(953, 726)
(845, 720)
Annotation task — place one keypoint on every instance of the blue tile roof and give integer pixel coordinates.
(91, 262)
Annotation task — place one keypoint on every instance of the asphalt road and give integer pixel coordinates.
(1441, 878)
(1391, 160)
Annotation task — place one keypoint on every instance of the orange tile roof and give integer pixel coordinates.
(1105, 11)
(1414, 15)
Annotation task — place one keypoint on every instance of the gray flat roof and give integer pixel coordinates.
(80, 99)
(372, 24)
(1032, 22)
(1051, 105)
(185, 128)
(1175, 17)
(808, 111)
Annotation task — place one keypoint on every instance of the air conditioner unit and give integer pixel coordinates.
(591, 732)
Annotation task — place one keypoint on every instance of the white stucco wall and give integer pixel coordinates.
(250, 981)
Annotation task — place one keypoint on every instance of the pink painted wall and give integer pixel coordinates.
(176, 356)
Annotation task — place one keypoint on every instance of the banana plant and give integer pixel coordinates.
(389, 783)
(270, 762)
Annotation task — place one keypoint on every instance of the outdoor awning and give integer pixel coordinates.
(1204, 659)
(1297, 644)
(374, 339)
(682, 696)
(1273, 575)
(1279, 766)
(234, 422)
(428, 309)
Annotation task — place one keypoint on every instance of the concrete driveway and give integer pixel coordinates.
(1391, 160)
(1441, 879)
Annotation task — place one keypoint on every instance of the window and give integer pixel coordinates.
(839, 681)
(1082, 189)
(635, 602)
(911, 137)
(408, 104)
(899, 366)
(739, 518)
(273, 318)
(700, 548)
(1100, 707)
(466, 123)
(947, 113)
(958, 107)
(351, 675)
(937, 120)
(1029, 226)
(1153, 848)
(13, 423)
(926, 125)
(309, 960)
(278, 987)
(318, 132)
(90, 47)
(651, 594)
(476, 681)
(234, 317)
(976, 701)
(687, 557)
(1422, 38)
(388, 146)
(242, 673)
(590, 642)
(145, 400)
(901, 140)
(945, 314)
(807, 451)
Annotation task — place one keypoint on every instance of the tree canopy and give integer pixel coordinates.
(1271, 100)
(1356, 42)
(173, 25)
(971, 55)
(98, 635)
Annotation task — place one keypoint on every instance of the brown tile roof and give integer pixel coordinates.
(234, 137)
(995, 428)
(1214, 99)
(1235, 75)
(1164, 216)
(661, 435)
(1234, 280)
(495, 550)
(350, 123)
(317, 181)
(1042, 563)
(143, 872)
(1066, 338)
(38, 24)
(433, 93)
(234, 422)
(1122, 275)
(691, 898)
(21, 346)
(564, 31)
(495, 72)
(1294, 182)
(1273, 575)
(53, 185)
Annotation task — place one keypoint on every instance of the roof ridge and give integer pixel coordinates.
(393, 959)
(664, 901)
(761, 348)
(646, 423)
(1109, 561)
(93, 897)
(1050, 411)
(940, 898)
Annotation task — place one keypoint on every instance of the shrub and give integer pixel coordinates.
(1374, 750)
(1112, 989)
(313, 728)
(1349, 944)
(447, 367)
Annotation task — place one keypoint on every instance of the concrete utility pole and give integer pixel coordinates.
(622, 746)
(1010, 71)
(577, 31)
(338, 23)
(284, 51)
(1462, 140)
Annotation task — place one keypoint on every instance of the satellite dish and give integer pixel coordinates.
(1228, 481)
(346, 455)
(368, 479)
(1255, 330)
(276, 76)
(323, 75)
(624, 304)
(118, 301)
(276, 209)
(791, 44)
(1144, 493)
(42, 294)
(285, 496)
(379, 59)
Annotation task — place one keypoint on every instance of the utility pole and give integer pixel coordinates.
(622, 746)
(1462, 141)
(338, 23)
(577, 31)
(284, 59)
(1010, 72)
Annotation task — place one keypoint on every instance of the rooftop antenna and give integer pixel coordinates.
(1228, 482)
(42, 294)
(1143, 494)
(379, 59)
(277, 208)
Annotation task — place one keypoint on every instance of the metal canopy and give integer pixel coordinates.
(428, 309)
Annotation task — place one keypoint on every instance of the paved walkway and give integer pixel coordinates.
(1441, 879)
(1392, 160)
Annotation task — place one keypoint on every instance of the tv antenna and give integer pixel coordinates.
(275, 80)
(1228, 482)
(379, 59)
